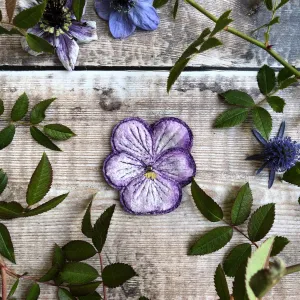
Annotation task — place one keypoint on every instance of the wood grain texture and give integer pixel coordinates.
(163, 47)
(91, 103)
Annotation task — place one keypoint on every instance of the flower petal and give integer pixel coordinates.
(144, 16)
(25, 4)
(133, 136)
(67, 51)
(120, 169)
(170, 133)
(271, 178)
(103, 9)
(259, 137)
(84, 32)
(261, 168)
(147, 196)
(176, 164)
(120, 26)
(281, 130)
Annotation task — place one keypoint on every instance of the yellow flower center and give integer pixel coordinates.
(151, 175)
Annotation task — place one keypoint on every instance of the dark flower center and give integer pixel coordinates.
(281, 153)
(122, 5)
(56, 18)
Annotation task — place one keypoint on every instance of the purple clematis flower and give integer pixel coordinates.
(61, 29)
(149, 165)
(279, 154)
(125, 15)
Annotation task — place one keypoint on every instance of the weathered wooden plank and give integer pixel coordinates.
(164, 46)
(91, 103)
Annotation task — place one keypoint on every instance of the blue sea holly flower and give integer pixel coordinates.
(125, 15)
(60, 28)
(279, 153)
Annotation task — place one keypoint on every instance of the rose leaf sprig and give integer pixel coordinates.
(38, 187)
(44, 135)
(19, 24)
(269, 84)
(254, 273)
(74, 279)
(202, 43)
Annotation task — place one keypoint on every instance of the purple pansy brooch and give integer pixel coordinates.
(124, 16)
(279, 154)
(60, 28)
(149, 165)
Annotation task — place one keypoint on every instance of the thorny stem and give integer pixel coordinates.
(246, 38)
(4, 283)
(101, 266)
(241, 232)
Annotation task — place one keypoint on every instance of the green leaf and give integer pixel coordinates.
(38, 112)
(38, 44)
(293, 175)
(175, 9)
(10, 210)
(6, 246)
(222, 22)
(276, 103)
(101, 228)
(78, 273)
(27, 18)
(176, 71)
(1, 107)
(287, 83)
(159, 3)
(7, 135)
(40, 182)
(236, 258)
(239, 286)
(93, 296)
(221, 284)
(143, 298)
(46, 206)
(284, 74)
(231, 117)
(261, 222)
(269, 4)
(115, 275)
(50, 275)
(210, 43)
(58, 132)
(212, 241)
(262, 121)
(276, 20)
(3, 181)
(86, 227)
(84, 289)
(283, 2)
(0, 15)
(20, 108)
(206, 205)
(238, 98)
(34, 292)
(78, 7)
(78, 250)
(279, 244)
(192, 48)
(256, 262)
(13, 288)
(58, 257)
(42, 139)
(266, 80)
(263, 281)
(242, 205)
(64, 294)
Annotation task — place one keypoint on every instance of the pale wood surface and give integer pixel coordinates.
(91, 103)
(162, 47)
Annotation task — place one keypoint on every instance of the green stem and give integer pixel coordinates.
(15, 27)
(292, 269)
(246, 38)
